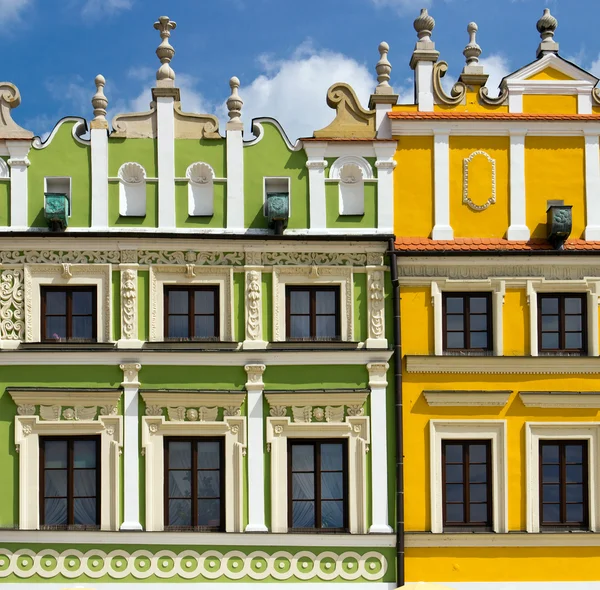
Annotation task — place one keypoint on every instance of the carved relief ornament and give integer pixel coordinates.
(492, 198)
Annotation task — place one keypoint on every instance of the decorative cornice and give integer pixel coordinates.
(560, 399)
(255, 377)
(378, 374)
(314, 398)
(229, 401)
(130, 374)
(474, 398)
(513, 539)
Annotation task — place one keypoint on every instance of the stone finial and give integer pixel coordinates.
(165, 52)
(383, 69)
(234, 102)
(546, 26)
(424, 25)
(99, 100)
(472, 51)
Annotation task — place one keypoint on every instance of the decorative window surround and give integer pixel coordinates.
(441, 173)
(497, 287)
(376, 308)
(67, 413)
(589, 286)
(351, 172)
(518, 229)
(466, 398)
(18, 162)
(306, 406)
(129, 307)
(537, 431)
(592, 186)
(184, 420)
(560, 399)
(494, 430)
(313, 275)
(12, 326)
(190, 274)
(254, 328)
(38, 275)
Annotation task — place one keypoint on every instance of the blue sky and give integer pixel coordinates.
(285, 52)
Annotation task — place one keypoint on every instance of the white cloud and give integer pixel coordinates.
(100, 7)
(497, 67)
(12, 9)
(403, 6)
(594, 69)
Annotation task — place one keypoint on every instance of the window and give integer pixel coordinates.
(317, 485)
(69, 314)
(467, 487)
(564, 484)
(194, 484)
(561, 323)
(192, 313)
(313, 313)
(467, 322)
(70, 482)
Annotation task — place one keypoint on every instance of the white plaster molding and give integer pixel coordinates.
(165, 122)
(313, 275)
(419, 539)
(424, 86)
(253, 311)
(385, 165)
(19, 163)
(259, 132)
(201, 177)
(466, 398)
(4, 170)
(560, 399)
(316, 165)
(592, 187)
(466, 199)
(518, 229)
(441, 187)
(129, 307)
(556, 62)
(12, 314)
(538, 431)
(99, 170)
(78, 129)
(376, 308)
(232, 429)
(335, 171)
(235, 176)
(132, 190)
(189, 275)
(494, 430)
(256, 449)
(38, 275)
(584, 101)
(354, 429)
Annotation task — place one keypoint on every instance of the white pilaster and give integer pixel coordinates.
(498, 308)
(256, 452)
(592, 185)
(316, 165)
(235, 176)
(385, 165)
(584, 101)
(18, 162)
(533, 318)
(592, 307)
(166, 157)
(382, 122)
(131, 483)
(253, 325)
(515, 99)
(441, 181)
(379, 455)
(129, 307)
(424, 85)
(436, 302)
(518, 229)
(99, 155)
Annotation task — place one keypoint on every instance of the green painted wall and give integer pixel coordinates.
(337, 221)
(194, 377)
(217, 220)
(271, 157)
(316, 377)
(142, 151)
(116, 304)
(149, 220)
(4, 203)
(211, 151)
(63, 156)
(360, 307)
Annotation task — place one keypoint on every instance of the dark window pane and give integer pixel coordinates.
(332, 485)
(180, 484)
(303, 514)
(551, 493)
(84, 510)
(574, 512)
(479, 340)
(478, 512)
(332, 515)
(478, 304)
(56, 302)
(454, 304)
(550, 323)
(209, 484)
(456, 340)
(55, 512)
(549, 454)
(303, 486)
(178, 327)
(550, 473)
(454, 473)
(455, 322)
(551, 513)
(209, 455)
(575, 493)
(83, 327)
(574, 473)
(204, 302)
(84, 482)
(56, 328)
(209, 513)
(454, 492)
(299, 327)
(325, 301)
(55, 483)
(572, 305)
(455, 513)
(178, 302)
(303, 458)
(326, 326)
(478, 492)
(550, 341)
(549, 305)
(83, 302)
(574, 453)
(300, 302)
(477, 453)
(479, 322)
(55, 454)
(573, 323)
(204, 326)
(180, 512)
(332, 457)
(573, 340)
(180, 455)
(454, 453)
(478, 473)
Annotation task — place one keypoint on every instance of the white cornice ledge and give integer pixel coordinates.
(560, 399)
(516, 539)
(524, 365)
(467, 397)
(302, 398)
(58, 397)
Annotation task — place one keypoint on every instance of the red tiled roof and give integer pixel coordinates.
(487, 244)
(488, 116)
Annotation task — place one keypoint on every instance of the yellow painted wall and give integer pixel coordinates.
(502, 564)
(413, 187)
(472, 103)
(516, 323)
(548, 104)
(550, 74)
(494, 221)
(554, 169)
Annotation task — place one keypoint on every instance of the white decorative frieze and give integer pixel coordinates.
(315, 258)
(129, 304)
(466, 198)
(376, 309)
(254, 310)
(59, 257)
(12, 314)
(191, 256)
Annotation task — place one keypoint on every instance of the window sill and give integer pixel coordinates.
(192, 345)
(65, 346)
(314, 345)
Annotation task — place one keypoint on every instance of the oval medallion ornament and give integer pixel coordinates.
(492, 198)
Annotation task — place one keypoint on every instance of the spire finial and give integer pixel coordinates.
(165, 52)
(546, 27)
(383, 69)
(424, 25)
(99, 102)
(234, 102)
(472, 51)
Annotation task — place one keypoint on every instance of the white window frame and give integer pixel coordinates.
(493, 286)
(68, 275)
(189, 276)
(354, 428)
(70, 183)
(538, 431)
(494, 430)
(155, 427)
(29, 427)
(590, 287)
(289, 191)
(309, 276)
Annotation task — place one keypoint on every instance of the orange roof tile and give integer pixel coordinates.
(488, 116)
(487, 245)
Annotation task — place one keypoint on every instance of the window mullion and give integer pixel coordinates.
(317, 460)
